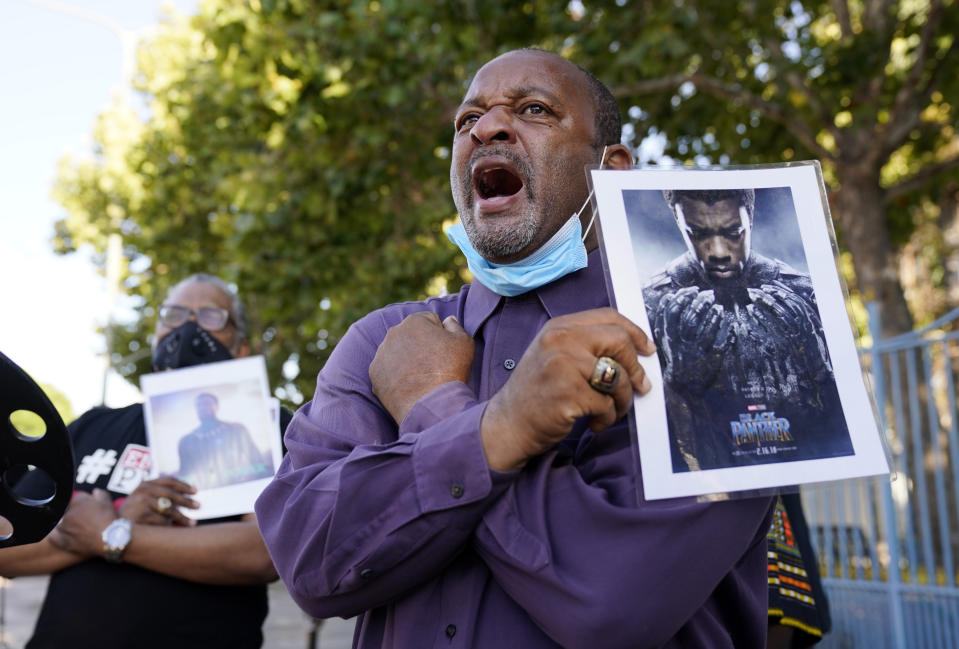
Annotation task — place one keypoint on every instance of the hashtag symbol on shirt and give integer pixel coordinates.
(93, 466)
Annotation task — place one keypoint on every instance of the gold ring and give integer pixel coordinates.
(605, 375)
(163, 504)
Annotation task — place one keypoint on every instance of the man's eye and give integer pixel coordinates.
(467, 121)
(535, 109)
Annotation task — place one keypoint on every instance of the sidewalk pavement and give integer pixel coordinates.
(286, 627)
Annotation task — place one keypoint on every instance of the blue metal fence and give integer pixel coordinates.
(887, 548)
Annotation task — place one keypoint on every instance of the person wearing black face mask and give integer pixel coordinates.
(201, 321)
(128, 567)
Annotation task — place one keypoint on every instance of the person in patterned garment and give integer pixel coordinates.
(128, 568)
(798, 608)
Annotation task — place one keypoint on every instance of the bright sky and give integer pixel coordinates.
(58, 70)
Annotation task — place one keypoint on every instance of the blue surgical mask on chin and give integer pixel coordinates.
(564, 253)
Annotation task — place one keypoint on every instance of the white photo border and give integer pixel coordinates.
(231, 499)
(805, 182)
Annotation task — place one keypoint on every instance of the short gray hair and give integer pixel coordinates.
(237, 311)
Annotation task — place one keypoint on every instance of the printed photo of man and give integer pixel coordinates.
(746, 368)
(218, 453)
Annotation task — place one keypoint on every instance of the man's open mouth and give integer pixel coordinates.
(496, 181)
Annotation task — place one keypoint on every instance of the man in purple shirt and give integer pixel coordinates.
(463, 476)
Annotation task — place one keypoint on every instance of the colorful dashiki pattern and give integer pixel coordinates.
(791, 600)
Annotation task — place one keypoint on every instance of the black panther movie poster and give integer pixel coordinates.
(733, 313)
(757, 380)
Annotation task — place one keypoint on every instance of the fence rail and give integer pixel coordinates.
(887, 548)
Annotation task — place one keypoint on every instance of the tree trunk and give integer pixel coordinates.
(949, 224)
(861, 215)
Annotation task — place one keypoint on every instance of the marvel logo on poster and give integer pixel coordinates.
(215, 427)
(757, 380)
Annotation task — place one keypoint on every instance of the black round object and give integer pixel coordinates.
(36, 472)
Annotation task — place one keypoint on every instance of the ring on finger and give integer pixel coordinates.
(164, 504)
(605, 375)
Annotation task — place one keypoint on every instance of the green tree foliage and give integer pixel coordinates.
(300, 148)
(869, 87)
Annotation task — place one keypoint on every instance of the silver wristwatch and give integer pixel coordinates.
(116, 538)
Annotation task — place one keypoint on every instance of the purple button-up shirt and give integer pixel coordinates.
(409, 529)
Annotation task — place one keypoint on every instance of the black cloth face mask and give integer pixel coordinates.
(187, 345)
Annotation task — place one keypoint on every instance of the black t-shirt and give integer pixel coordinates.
(101, 605)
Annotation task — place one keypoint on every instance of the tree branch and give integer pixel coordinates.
(735, 92)
(935, 77)
(922, 128)
(904, 112)
(869, 90)
(795, 81)
(841, 9)
(874, 16)
(651, 86)
(920, 178)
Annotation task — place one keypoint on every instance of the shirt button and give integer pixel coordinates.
(366, 573)
(509, 363)
(456, 490)
(450, 630)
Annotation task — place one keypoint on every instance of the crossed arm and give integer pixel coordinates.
(365, 508)
(41, 558)
(218, 553)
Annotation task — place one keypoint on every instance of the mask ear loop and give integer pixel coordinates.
(602, 162)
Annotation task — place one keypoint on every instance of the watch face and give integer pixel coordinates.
(117, 535)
